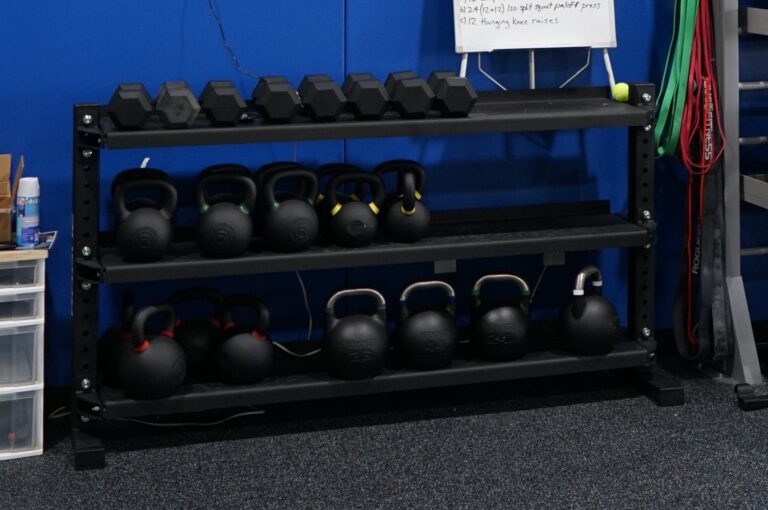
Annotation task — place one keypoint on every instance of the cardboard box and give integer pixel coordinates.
(7, 195)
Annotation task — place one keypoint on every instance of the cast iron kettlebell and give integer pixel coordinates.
(324, 174)
(156, 367)
(500, 330)
(354, 224)
(198, 336)
(427, 339)
(225, 227)
(291, 224)
(116, 342)
(589, 323)
(356, 345)
(404, 216)
(144, 233)
(246, 355)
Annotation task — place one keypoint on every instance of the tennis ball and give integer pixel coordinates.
(621, 92)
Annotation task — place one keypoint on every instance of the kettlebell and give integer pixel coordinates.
(355, 345)
(291, 224)
(324, 174)
(427, 339)
(500, 330)
(115, 342)
(144, 232)
(404, 216)
(156, 367)
(353, 224)
(589, 323)
(198, 336)
(225, 227)
(245, 356)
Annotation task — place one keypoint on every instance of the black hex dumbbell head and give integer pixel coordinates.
(410, 95)
(222, 103)
(366, 96)
(322, 97)
(130, 106)
(176, 105)
(275, 99)
(454, 95)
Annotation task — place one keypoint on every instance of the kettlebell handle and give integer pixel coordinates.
(168, 204)
(525, 291)
(246, 301)
(381, 304)
(138, 334)
(405, 166)
(305, 176)
(373, 181)
(267, 171)
(197, 294)
(408, 194)
(333, 170)
(436, 284)
(243, 181)
(133, 174)
(581, 281)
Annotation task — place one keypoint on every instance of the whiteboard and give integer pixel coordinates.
(488, 25)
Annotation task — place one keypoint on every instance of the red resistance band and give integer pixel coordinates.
(702, 144)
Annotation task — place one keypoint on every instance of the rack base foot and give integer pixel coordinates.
(747, 398)
(662, 387)
(88, 449)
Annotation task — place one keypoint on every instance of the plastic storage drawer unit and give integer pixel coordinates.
(21, 416)
(21, 355)
(21, 305)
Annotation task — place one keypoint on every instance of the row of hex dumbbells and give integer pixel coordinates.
(276, 101)
(290, 210)
(355, 346)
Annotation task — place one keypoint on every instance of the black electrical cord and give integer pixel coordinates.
(217, 17)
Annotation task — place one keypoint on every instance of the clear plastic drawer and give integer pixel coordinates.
(25, 273)
(21, 306)
(21, 355)
(21, 416)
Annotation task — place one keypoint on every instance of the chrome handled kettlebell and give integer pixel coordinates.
(353, 224)
(589, 322)
(156, 366)
(225, 227)
(246, 355)
(500, 330)
(144, 233)
(355, 345)
(405, 217)
(427, 339)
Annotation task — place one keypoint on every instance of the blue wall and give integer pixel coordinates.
(56, 54)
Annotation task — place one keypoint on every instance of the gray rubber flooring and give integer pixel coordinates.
(583, 443)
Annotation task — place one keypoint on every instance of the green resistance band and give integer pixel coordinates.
(674, 84)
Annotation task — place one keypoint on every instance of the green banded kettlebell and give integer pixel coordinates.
(404, 215)
(427, 339)
(354, 224)
(198, 335)
(500, 330)
(156, 366)
(225, 227)
(245, 356)
(291, 224)
(356, 345)
(144, 233)
(589, 322)
(324, 174)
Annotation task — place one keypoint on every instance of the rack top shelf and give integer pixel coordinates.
(536, 110)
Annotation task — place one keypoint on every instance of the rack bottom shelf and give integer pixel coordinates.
(318, 385)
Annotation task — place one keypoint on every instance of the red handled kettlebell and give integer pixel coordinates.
(198, 336)
(245, 356)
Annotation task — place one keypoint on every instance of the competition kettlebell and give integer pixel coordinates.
(116, 342)
(353, 224)
(404, 216)
(589, 323)
(225, 227)
(291, 224)
(324, 174)
(427, 339)
(156, 366)
(197, 336)
(355, 345)
(145, 232)
(245, 356)
(500, 330)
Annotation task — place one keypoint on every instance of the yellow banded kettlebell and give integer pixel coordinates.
(405, 217)
(354, 224)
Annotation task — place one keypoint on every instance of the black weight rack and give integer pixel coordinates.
(557, 228)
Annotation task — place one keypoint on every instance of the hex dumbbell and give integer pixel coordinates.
(176, 105)
(322, 98)
(454, 95)
(367, 98)
(130, 106)
(222, 103)
(409, 94)
(275, 99)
